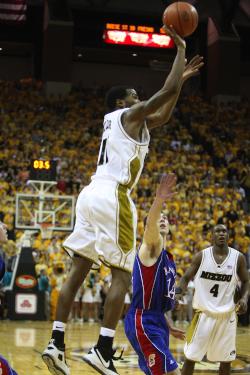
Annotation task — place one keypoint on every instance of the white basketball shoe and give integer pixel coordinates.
(96, 360)
(55, 360)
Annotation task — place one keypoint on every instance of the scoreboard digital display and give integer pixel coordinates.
(136, 35)
(43, 170)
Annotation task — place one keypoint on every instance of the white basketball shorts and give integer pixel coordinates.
(213, 336)
(105, 227)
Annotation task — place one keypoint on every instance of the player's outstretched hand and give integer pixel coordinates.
(192, 68)
(170, 31)
(177, 333)
(3, 232)
(166, 189)
(241, 306)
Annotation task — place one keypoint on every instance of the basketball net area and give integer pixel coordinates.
(44, 211)
(46, 230)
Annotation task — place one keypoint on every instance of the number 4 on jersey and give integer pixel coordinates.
(215, 290)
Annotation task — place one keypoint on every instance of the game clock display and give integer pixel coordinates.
(43, 170)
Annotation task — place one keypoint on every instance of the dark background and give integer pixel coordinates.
(67, 46)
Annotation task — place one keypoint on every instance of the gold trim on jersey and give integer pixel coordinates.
(146, 143)
(67, 249)
(125, 235)
(111, 265)
(125, 222)
(134, 168)
(193, 326)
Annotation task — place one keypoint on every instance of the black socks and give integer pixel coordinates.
(104, 345)
(58, 336)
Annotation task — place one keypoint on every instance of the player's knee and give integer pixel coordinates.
(121, 279)
(75, 280)
(78, 273)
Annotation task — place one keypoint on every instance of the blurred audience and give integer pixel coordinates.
(205, 144)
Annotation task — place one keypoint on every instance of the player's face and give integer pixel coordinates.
(131, 98)
(164, 225)
(220, 235)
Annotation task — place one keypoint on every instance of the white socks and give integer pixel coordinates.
(59, 326)
(107, 332)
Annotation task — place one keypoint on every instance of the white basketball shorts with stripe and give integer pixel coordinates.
(105, 227)
(214, 336)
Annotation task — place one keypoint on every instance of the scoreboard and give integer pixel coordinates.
(43, 170)
(136, 35)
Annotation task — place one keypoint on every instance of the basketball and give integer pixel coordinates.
(182, 16)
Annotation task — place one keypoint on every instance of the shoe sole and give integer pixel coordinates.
(50, 363)
(94, 366)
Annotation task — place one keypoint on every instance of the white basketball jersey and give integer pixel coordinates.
(121, 158)
(215, 283)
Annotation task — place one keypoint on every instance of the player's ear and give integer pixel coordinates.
(120, 103)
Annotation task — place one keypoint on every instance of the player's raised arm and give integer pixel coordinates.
(152, 240)
(138, 113)
(162, 116)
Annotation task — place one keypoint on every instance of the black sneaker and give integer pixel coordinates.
(95, 359)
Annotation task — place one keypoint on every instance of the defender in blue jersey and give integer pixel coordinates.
(153, 281)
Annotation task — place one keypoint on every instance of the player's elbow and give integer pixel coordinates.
(158, 100)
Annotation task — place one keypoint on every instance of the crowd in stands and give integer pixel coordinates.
(205, 144)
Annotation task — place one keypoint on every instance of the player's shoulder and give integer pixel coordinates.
(207, 249)
(111, 119)
(205, 252)
(241, 259)
(233, 250)
(115, 113)
(235, 255)
(198, 257)
(146, 256)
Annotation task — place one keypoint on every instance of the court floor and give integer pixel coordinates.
(22, 342)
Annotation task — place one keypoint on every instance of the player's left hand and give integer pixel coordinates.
(241, 306)
(179, 41)
(166, 189)
(177, 333)
(193, 67)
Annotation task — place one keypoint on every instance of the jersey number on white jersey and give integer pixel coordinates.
(103, 157)
(215, 290)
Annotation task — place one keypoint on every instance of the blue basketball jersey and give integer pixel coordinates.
(5, 368)
(154, 286)
(145, 323)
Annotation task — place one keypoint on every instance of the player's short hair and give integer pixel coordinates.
(116, 92)
(219, 225)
